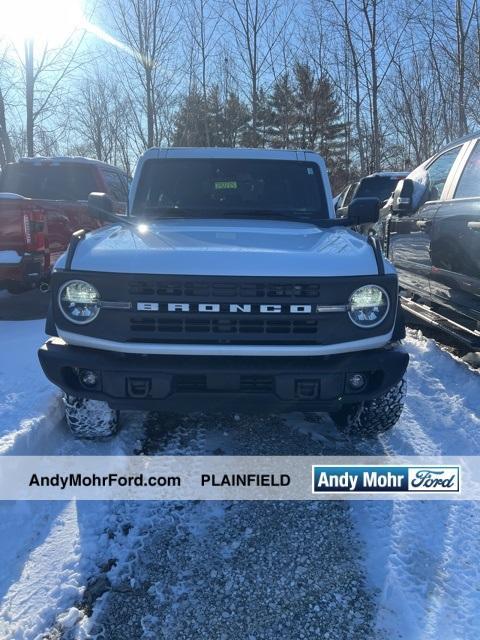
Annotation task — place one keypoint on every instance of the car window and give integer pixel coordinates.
(349, 195)
(380, 187)
(469, 183)
(207, 186)
(438, 172)
(49, 181)
(341, 197)
(115, 185)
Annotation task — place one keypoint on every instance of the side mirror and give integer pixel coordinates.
(100, 206)
(362, 210)
(402, 199)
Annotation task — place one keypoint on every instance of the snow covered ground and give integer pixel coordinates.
(366, 569)
(424, 557)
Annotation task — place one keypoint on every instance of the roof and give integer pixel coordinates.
(388, 174)
(453, 143)
(227, 152)
(66, 159)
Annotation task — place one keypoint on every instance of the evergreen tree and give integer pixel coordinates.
(222, 123)
(283, 114)
(235, 120)
(214, 117)
(190, 121)
(319, 125)
(258, 138)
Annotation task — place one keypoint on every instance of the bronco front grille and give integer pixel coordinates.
(236, 310)
(223, 328)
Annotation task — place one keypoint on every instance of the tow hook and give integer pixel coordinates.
(44, 287)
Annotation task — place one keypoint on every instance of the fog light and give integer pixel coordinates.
(88, 378)
(357, 381)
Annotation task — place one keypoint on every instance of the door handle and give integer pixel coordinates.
(473, 226)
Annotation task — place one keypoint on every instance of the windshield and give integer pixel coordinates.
(233, 188)
(380, 187)
(68, 181)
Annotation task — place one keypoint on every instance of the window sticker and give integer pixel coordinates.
(310, 171)
(226, 185)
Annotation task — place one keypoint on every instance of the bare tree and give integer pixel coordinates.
(6, 150)
(147, 29)
(414, 106)
(99, 110)
(202, 22)
(257, 26)
(45, 72)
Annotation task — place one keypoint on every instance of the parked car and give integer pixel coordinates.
(377, 185)
(42, 201)
(344, 198)
(230, 283)
(431, 232)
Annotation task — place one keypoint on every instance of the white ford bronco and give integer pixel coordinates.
(230, 284)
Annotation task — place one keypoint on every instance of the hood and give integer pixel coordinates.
(227, 248)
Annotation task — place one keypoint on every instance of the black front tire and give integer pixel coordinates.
(16, 288)
(373, 416)
(90, 419)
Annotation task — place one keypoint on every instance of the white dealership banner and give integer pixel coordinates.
(239, 478)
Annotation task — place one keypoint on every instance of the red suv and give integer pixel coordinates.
(42, 202)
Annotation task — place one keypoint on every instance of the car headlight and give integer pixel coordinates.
(368, 306)
(79, 301)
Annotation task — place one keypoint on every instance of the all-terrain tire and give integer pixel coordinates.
(373, 416)
(16, 288)
(90, 419)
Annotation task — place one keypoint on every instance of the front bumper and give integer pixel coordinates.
(187, 383)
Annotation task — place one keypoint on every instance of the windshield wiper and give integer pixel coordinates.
(160, 212)
(311, 217)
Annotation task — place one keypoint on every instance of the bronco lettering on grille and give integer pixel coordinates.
(208, 307)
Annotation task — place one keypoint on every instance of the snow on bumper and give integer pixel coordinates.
(187, 383)
(10, 258)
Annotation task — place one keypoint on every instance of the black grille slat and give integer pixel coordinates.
(142, 324)
(264, 326)
(219, 290)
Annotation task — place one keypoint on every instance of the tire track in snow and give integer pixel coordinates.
(423, 556)
(285, 570)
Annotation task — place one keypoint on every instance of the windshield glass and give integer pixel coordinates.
(228, 187)
(380, 187)
(68, 181)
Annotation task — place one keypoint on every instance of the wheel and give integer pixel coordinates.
(373, 416)
(90, 418)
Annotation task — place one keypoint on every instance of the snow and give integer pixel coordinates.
(11, 196)
(28, 402)
(422, 557)
(420, 179)
(47, 549)
(389, 174)
(10, 257)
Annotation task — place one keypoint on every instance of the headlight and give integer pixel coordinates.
(368, 306)
(79, 301)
